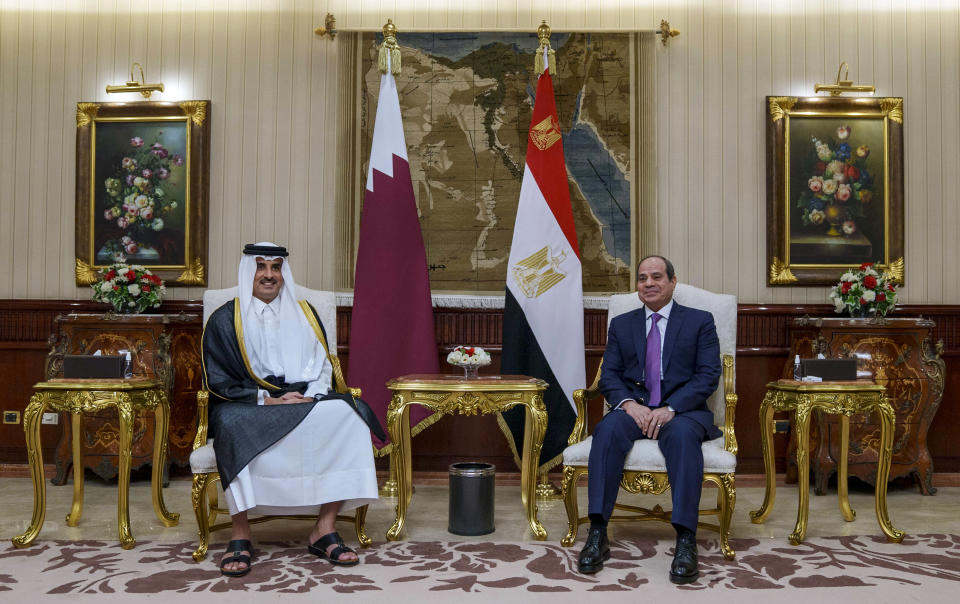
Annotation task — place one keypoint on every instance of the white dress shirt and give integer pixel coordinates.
(269, 361)
(662, 328)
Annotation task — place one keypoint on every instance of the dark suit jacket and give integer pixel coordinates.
(690, 362)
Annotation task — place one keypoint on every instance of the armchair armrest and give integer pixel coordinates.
(580, 398)
(203, 400)
(341, 383)
(730, 400)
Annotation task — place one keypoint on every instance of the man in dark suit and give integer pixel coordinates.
(661, 364)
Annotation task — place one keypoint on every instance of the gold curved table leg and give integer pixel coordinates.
(76, 508)
(883, 471)
(399, 429)
(848, 513)
(160, 436)
(769, 469)
(389, 488)
(803, 471)
(31, 429)
(533, 431)
(125, 411)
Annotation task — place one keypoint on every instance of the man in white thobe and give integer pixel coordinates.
(286, 442)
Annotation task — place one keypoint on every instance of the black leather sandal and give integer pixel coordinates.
(236, 547)
(319, 548)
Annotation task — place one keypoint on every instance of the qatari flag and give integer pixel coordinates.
(543, 310)
(392, 331)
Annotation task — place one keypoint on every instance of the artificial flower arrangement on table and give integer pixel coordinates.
(865, 292)
(471, 358)
(130, 289)
(840, 188)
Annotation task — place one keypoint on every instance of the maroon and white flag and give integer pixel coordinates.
(392, 330)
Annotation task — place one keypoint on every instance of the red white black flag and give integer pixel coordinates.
(543, 312)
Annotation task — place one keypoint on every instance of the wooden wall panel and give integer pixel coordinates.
(762, 350)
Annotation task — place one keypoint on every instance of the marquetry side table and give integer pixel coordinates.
(452, 393)
(844, 399)
(79, 396)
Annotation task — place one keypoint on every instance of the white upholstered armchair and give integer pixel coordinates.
(203, 461)
(645, 469)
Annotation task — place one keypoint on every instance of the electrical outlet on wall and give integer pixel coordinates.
(50, 418)
(11, 417)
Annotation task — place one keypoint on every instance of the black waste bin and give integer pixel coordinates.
(471, 498)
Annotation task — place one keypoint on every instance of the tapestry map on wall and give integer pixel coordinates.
(466, 101)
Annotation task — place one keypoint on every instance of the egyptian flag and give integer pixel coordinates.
(543, 311)
(391, 330)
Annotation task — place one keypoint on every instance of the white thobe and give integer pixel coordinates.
(327, 457)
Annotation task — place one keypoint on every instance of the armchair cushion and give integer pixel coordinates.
(203, 460)
(646, 456)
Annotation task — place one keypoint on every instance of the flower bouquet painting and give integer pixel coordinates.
(470, 358)
(143, 189)
(840, 186)
(835, 187)
(140, 193)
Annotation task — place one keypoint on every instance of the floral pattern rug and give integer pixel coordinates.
(101, 567)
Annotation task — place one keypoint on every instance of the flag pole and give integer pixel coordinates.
(545, 58)
(388, 61)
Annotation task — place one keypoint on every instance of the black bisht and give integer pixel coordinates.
(233, 405)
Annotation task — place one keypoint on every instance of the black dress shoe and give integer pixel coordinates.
(595, 551)
(684, 567)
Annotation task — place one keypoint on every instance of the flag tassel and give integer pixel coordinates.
(389, 58)
(545, 56)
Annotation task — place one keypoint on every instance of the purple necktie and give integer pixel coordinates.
(651, 366)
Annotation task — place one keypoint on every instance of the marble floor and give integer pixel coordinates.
(427, 519)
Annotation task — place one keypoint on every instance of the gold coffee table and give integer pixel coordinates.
(844, 398)
(78, 396)
(451, 393)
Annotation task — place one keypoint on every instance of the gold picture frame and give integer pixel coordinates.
(834, 187)
(143, 189)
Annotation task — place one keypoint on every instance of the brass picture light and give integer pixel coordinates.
(134, 85)
(841, 86)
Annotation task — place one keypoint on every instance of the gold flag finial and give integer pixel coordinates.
(543, 33)
(390, 49)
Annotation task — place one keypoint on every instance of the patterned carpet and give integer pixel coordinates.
(98, 567)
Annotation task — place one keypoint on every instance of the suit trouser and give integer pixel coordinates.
(679, 440)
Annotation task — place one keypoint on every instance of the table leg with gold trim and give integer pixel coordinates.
(76, 508)
(535, 425)
(162, 414)
(802, 423)
(769, 469)
(848, 513)
(887, 416)
(398, 426)
(31, 429)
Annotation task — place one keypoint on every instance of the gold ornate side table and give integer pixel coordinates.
(451, 393)
(845, 399)
(79, 396)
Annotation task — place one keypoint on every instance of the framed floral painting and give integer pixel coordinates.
(834, 187)
(143, 188)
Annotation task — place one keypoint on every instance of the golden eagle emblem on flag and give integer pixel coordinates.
(539, 271)
(546, 133)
